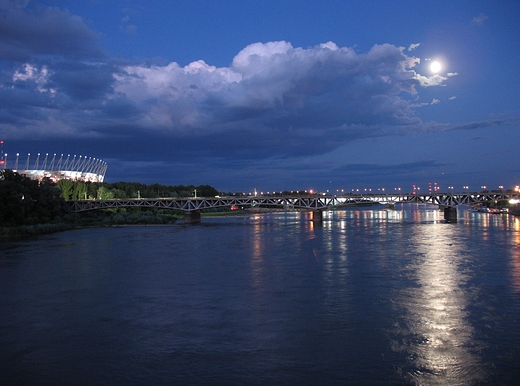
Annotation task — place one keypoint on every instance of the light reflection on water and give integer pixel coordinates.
(515, 258)
(369, 296)
(433, 329)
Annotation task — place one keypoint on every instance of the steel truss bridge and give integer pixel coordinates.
(310, 202)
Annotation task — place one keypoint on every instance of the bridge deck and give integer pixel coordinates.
(311, 202)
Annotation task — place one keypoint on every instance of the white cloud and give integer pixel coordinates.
(452, 98)
(276, 82)
(435, 101)
(259, 57)
(330, 45)
(39, 76)
(28, 72)
(413, 46)
(450, 74)
(434, 80)
(278, 99)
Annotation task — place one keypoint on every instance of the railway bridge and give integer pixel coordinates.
(193, 206)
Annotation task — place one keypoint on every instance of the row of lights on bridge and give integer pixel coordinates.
(431, 188)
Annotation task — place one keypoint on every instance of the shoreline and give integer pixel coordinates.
(28, 231)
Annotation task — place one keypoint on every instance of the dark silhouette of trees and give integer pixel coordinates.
(24, 201)
(27, 202)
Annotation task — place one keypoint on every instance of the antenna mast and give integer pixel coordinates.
(2, 159)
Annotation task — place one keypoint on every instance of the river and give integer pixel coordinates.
(368, 297)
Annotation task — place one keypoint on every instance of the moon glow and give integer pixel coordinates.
(435, 67)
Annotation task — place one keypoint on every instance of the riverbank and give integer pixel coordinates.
(76, 222)
(33, 230)
(113, 220)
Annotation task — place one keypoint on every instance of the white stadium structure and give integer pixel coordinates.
(56, 168)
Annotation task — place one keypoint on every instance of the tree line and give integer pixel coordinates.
(27, 202)
(79, 190)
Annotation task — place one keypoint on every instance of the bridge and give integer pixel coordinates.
(317, 203)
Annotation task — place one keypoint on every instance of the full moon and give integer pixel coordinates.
(435, 67)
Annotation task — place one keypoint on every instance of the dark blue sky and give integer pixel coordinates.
(269, 95)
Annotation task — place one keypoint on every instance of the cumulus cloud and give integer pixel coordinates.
(429, 81)
(413, 46)
(281, 95)
(273, 100)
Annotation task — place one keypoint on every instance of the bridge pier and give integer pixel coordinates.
(317, 215)
(450, 214)
(192, 217)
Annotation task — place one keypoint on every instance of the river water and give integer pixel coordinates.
(369, 297)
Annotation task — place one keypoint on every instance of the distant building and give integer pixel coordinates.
(80, 168)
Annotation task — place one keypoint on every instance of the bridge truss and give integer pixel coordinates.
(312, 202)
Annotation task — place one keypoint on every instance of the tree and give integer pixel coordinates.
(104, 194)
(118, 193)
(11, 196)
(80, 191)
(206, 191)
(67, 188)
(24, 201)
(49, 204)
(75, 190)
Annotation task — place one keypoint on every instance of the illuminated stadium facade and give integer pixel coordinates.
(56, 168)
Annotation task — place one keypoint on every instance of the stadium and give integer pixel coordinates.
(56, 168)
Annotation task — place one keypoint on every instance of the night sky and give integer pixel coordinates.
(272, 95)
